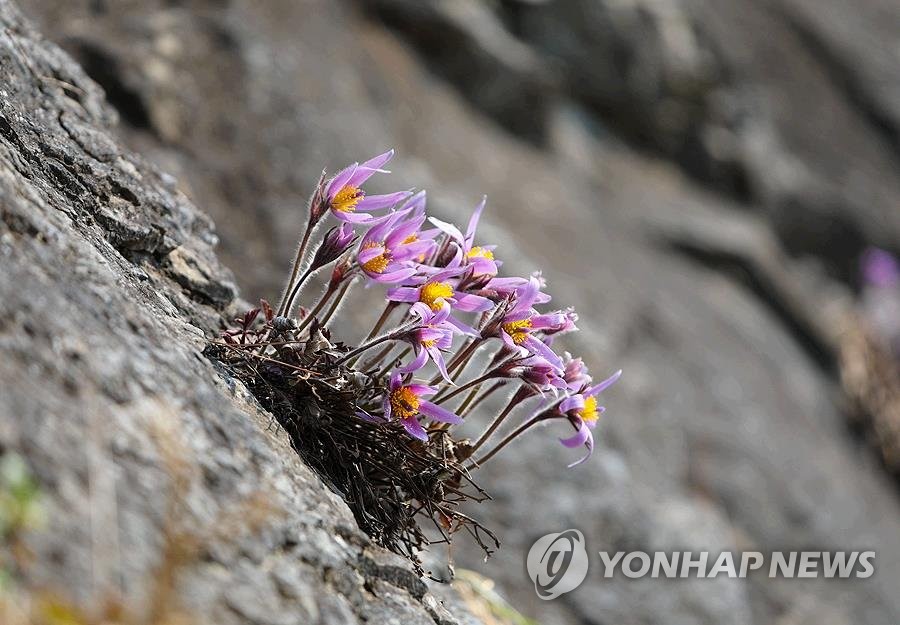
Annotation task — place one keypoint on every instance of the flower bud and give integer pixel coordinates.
(335, 243)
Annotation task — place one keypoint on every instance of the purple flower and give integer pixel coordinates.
(575, 373)
(507, 287)
(345, 197)
(480, 258)
(430, 339)
(583, 413)
(521, 321)
(565, 327)
(404, 402)
(880, 268)
(387, 249)
(437, 291)
(534, 371)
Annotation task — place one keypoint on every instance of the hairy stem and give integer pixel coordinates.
(382, 319)
(516, 399)
(289, 304)
(466, 386)
(367, 346)
(479, 462)
(295, 269)
(337, 302)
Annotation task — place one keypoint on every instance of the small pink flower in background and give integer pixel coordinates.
(881, 296)
(575, 373)
(880, 268)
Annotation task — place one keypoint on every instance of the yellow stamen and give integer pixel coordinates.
(589, 412)
(517, 330)
(433, 294)
(429, 342)
(380, 262)
(411, 239)
(480, 252)
(345, 200)
(404, 403)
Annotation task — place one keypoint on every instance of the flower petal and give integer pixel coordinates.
(436, 412)
(365, 416)
(438, 359)
(575, 402)
(374, 202)
(473, 222)
(340, 180)
(449, 228)
(403, 294)
(417, 363)
(415, 429)
(605, 384)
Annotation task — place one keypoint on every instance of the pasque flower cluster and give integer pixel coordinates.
(446, 310)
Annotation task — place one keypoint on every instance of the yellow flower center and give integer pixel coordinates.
(517, 330)
(411, 239)
(429, 342)
(433, 294)
(480, 252)
(345, 200)
(380, 262)
(589, 412)
(404, 403)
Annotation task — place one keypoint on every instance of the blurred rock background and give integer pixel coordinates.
(698, 178)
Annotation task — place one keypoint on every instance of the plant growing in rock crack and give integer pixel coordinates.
(366, 416)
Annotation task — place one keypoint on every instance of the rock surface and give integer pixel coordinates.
(726, 432)
(108, 292)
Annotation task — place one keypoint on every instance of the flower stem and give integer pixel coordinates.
(289, 304)
(467, 385)
(334, 305)
(387, 367)
(514, 401)
(316, 309)
(367, 346)
(484, 395)
(295, 269)
(506, 441)
(463, 355)
(382, 319)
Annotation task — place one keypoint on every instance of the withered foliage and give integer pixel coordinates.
(871, 379)
(392, 482)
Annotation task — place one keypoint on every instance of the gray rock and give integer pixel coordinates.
(108, 292)
(725, 431)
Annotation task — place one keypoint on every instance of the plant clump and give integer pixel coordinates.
(379, 419)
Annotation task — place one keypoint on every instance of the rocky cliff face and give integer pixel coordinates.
(109, 290)
(726, 432)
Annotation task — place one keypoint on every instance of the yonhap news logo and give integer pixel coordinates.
(557, 563)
